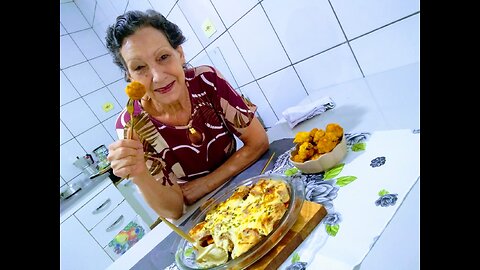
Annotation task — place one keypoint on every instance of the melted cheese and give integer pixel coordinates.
(248, 215)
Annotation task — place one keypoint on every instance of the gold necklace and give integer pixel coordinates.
(195, 137)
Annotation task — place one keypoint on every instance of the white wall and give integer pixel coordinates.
(275, 52)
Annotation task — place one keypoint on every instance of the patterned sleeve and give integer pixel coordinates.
(123, 120)
(120, 124)
(237, 110)
(154, 144)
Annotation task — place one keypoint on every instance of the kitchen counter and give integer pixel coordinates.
(88, 191)
(384, 101)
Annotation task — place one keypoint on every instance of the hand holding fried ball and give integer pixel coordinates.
(135, 91)
(316, 142)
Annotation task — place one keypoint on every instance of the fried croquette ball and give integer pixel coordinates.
(306, 150)
(135, 90)
(327, 143)
(318, 135)
(301, 137)
(336, 129)
(321, 141)
(298, 158)
(312, 133)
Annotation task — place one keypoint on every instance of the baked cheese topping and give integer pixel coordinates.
(248, 215)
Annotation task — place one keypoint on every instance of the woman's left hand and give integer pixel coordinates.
(194, 190)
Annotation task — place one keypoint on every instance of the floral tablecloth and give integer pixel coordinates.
(361, 195)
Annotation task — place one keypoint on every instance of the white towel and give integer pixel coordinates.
(297, 114)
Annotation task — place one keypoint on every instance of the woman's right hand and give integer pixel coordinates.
(126, 157)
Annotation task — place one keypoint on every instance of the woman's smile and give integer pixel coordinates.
(165, 89)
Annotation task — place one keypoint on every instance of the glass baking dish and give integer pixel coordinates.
(185, 258)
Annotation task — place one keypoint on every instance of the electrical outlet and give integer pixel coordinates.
(107, 106)
(208, 28)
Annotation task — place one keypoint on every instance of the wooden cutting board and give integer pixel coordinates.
(310, 216)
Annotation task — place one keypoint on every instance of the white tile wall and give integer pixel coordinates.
(197, 12)
(258, 43)
(78, 74)
(329, 68)
(65, 134)
(360, 17)
(231, 11)
(89, 43)
(103, 104)
(105, 14)
(405, 92)
(139, 5)
(192, 46)
(218, 61)
(233, 59)
(319, 27)
(95, 137)
(201, 59)
(71, 18)
(256, 39)
(67, 91)
(355, 102)
(62, 30)
(282, 89)
(392, 46)
(106, 69)
(62, 182)
(87, 8)
(109, 126)
(117, 89)
(119, 5)
(78, 116)
(70, 54)
(163, 6)
(255, 94)
(68, 154)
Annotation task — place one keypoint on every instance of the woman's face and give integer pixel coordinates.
(151, 60)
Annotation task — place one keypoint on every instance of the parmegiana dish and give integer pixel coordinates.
(248, 215)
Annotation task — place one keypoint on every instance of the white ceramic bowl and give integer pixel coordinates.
(324, 162)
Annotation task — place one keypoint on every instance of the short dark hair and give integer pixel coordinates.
(128, 23)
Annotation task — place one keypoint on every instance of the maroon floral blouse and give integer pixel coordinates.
(218, 114)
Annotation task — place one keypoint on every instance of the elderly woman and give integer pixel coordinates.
(183, 145)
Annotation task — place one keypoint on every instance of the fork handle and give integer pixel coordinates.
(177, 230)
